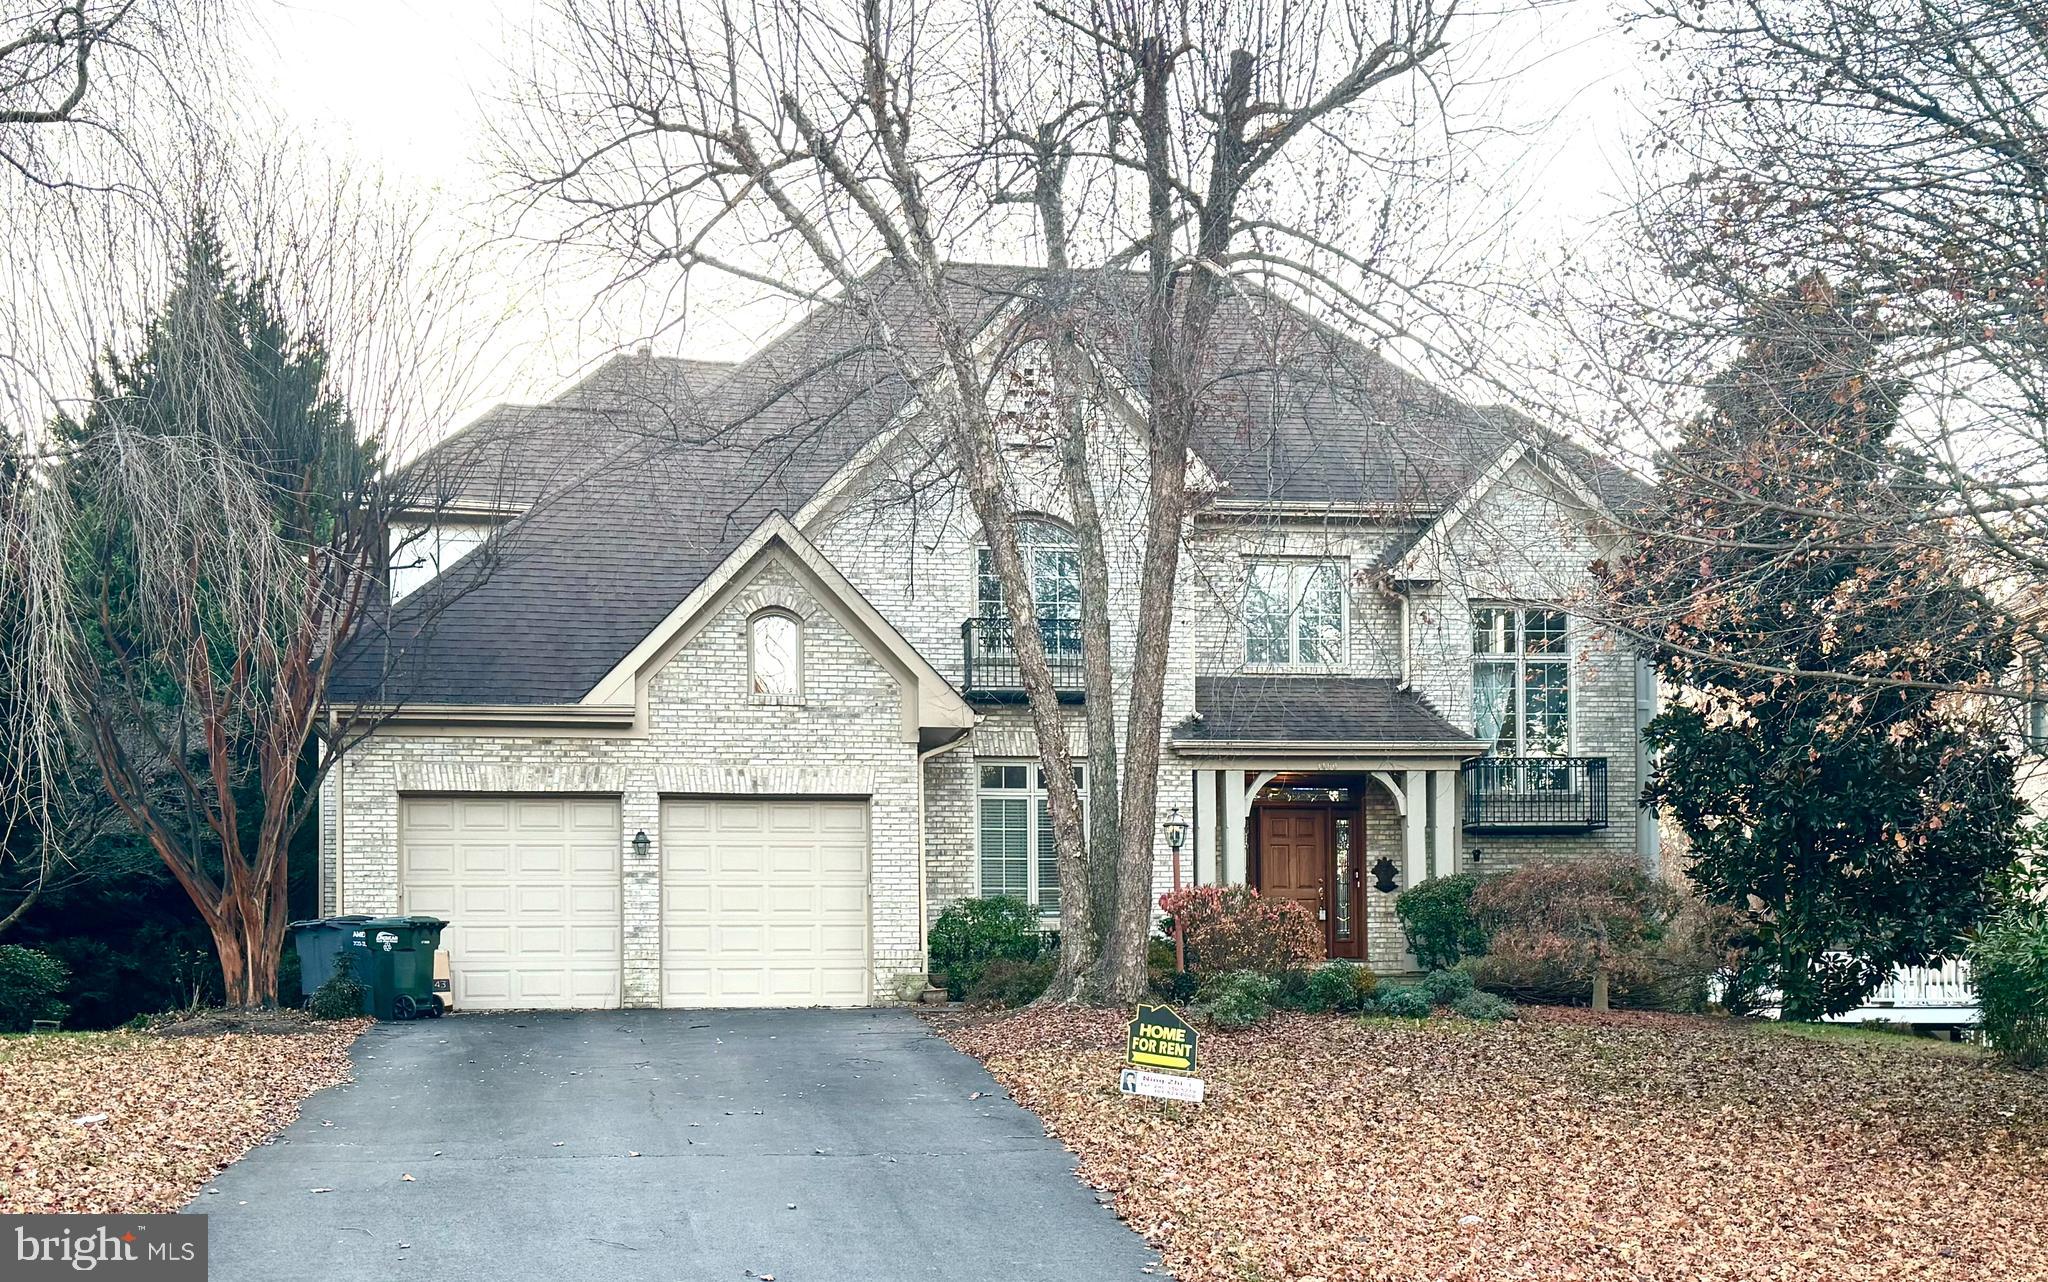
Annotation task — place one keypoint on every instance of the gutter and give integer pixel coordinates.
(1327, 747)
(536, 715)
(1299, 510)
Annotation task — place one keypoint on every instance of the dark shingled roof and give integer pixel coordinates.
(512, 457)
(1277, 709)
(637, 482)
(668, 485)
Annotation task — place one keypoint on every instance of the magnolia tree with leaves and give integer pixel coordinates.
(1150, 160)
(1803, 605)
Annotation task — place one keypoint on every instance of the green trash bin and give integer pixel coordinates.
(395, 960)
(318, 942)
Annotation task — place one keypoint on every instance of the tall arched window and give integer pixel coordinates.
(1053, 561)
(775, 645)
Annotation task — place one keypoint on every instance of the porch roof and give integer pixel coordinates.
(1361, 714)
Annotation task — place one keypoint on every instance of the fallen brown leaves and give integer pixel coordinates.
(1563, 1146)
(116, 1122)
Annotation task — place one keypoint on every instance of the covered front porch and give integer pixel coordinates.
(1340, 838)
(1337, 793)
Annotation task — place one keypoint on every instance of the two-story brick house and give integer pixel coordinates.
(718, 708)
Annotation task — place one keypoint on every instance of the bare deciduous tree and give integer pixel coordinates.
(209, 526)
(1157, 158)
(1897, 150)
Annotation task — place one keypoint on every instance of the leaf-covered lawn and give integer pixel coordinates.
(117, 1122)
(1561, 1146)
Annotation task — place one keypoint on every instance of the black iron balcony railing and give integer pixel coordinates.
(1535, 794)
(990, 658)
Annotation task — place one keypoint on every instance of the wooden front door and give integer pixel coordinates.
(1313, 856)
(1294, 855)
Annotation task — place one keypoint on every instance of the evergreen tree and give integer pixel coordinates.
(1799, 597)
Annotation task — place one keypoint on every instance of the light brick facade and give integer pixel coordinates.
(914, 562)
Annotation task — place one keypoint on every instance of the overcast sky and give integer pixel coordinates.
(406, 85)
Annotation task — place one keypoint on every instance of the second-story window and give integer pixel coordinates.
(1294, 614)
(1054, 564)
(1521, 680)
(422, 551)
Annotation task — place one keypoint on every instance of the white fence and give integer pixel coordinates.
(1920, 995)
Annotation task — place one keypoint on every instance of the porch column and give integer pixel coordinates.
(1446, 822)
(1414, 788)
(1233, 827)
(1204, 820)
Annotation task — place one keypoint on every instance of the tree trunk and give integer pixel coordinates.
(1600, 989)
(1797, 1000)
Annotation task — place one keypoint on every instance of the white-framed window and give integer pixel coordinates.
(1053, 560)
(1294, 614)
(420, 552)
(1521, 680)
(775, 653)
(1015, 824)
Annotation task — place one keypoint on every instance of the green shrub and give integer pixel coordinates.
(1339, 987)
(1008, 982)
(2009, 970)
(29, 984)
(1403, 1001)
(971, 933)
(1446, 987)
(1437, 917)
(1167, 983)
(341, 997)
(1231, 928)
(1239, 999)
(1484, 1006)
(1290, 989)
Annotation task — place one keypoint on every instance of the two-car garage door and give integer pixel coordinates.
(763, 902)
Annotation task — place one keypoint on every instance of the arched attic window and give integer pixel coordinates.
(775, 653)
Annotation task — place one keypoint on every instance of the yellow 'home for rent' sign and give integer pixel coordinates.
(1162, 1039)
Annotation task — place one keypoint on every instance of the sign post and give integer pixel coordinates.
(1160, 1039)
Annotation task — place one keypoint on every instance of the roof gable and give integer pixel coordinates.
(930, 701)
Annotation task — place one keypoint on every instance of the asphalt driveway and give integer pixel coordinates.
(807, 1145)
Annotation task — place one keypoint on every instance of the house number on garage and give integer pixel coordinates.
(1161, 1039)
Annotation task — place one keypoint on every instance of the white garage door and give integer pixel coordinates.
(531, 887)
(764, 903)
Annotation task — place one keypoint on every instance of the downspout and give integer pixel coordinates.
(1407, 647)
(340, 820)
(1385, 584)
(924, 930)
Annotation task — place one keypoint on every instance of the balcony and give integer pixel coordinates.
(1536, 794)
(989, 659)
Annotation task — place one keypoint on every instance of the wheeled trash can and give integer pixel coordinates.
(395, 961)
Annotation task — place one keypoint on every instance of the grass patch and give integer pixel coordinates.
(1888, 1037)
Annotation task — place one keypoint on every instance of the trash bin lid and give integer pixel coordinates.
(346, 922)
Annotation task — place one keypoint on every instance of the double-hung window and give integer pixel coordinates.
(1017, 853)
(1294, 614)
(1521, 681)
(1053, 563)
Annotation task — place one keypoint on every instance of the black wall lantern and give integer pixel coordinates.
(640, 844)
(1383, 876)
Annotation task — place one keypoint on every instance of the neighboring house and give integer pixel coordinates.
(733, 716)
